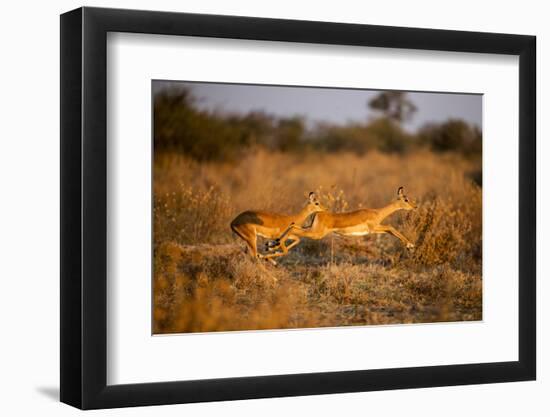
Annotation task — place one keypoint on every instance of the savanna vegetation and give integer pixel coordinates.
(209, 167)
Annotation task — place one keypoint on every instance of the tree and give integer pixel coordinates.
(452, 135)
(394, 105)
(289, 134)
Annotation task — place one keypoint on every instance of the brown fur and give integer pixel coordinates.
(355, 223)
(251, 224)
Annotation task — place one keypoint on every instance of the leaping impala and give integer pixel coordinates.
(356, 223)
(250, 224)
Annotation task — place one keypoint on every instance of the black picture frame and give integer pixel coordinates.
(84, 207)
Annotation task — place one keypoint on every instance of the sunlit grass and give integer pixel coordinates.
(203, 280)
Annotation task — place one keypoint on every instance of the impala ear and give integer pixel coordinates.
(312, 196)
(400, 191)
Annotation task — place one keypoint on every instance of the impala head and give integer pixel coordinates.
(405, 202)
(313, 203)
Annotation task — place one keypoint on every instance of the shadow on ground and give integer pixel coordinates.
(50, 392)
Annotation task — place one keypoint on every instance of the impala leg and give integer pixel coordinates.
(282, 238)
(296, 241)
(284, 248)
(382, 228)
(274, 244)
(268, 258)
(251, 242)
(249, 237)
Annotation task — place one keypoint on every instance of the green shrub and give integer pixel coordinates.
(452, 135)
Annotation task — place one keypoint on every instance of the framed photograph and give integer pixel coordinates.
(257, 208)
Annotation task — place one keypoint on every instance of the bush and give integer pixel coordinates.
(180, 126)
(389, 136)
(382, 134)
(190, 216)
(447, 230)
(349, 138)
(213, 288)
(453, 135)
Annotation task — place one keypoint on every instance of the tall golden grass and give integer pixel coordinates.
(203, 280)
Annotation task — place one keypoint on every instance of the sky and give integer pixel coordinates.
(333, 105)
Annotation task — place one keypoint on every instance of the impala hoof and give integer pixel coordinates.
(271, 261)
(273, 244)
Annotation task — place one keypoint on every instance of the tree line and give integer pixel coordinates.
(181, 126)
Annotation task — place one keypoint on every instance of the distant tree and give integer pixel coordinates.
(389, 137)
(180, 126)
(393, 105)
(452, 135)
(290, 133)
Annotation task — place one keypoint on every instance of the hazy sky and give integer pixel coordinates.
(326, 104)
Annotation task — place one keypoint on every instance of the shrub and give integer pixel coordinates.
(180, 126)
(382, 134)
(189, 215)
(389, 136)
(452, 135)
(447, 230)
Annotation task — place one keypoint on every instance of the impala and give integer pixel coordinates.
(356, 223)
(251, 224)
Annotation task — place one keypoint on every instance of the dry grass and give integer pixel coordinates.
(203, 281)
